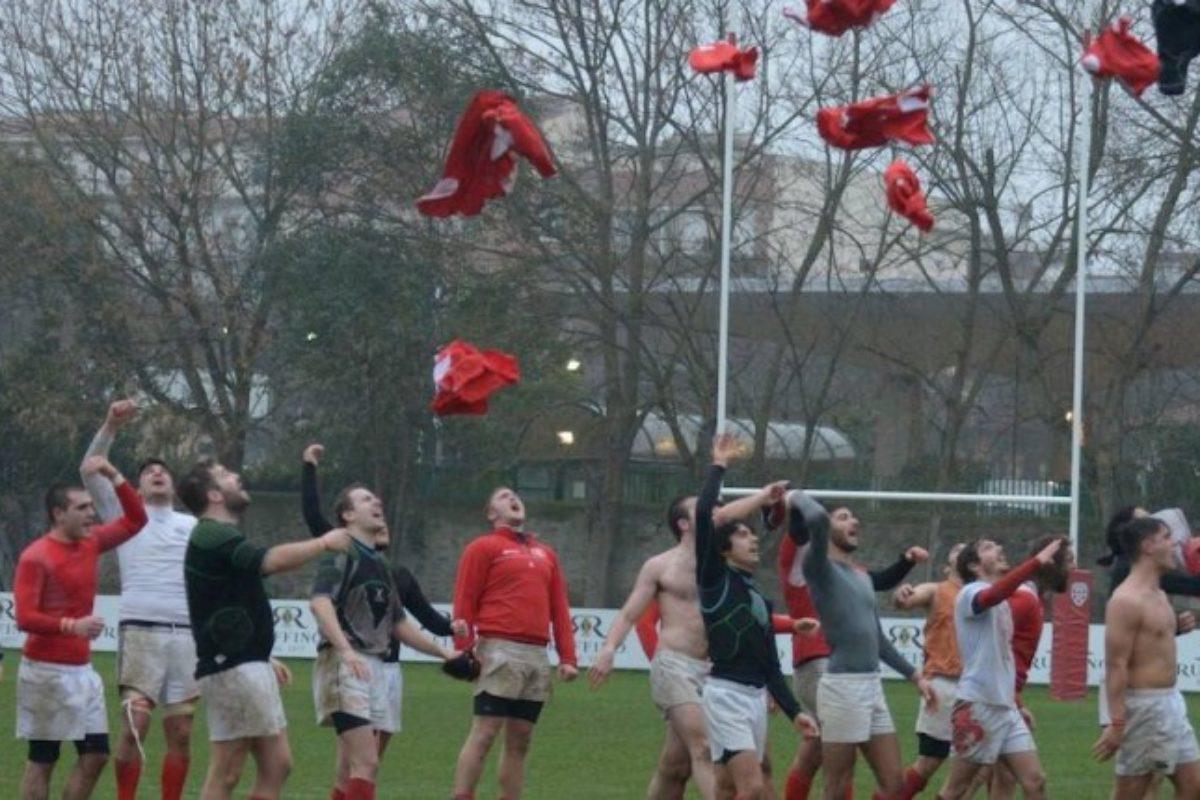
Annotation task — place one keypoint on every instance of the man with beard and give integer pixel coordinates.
(234, 632)
(156, 657)
(510, 591)
(851, 706)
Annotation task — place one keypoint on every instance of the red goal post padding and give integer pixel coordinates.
(1069, 647)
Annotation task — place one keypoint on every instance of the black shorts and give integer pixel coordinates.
(46, 751)
(930, 747)
(488, 705)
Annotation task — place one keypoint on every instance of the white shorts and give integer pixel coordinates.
(676, 679)
(851, 707)
(59, 702)
(336, 688)
(243, 702)
(805, 679)
(159, 664)
(1158, 735)
(937, 724)
(393, 678)
(983, 732)
(736, 715)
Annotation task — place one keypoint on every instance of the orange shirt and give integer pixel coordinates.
(941, 646)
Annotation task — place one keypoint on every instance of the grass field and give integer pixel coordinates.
(589, 744)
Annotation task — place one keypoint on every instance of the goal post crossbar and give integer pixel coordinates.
(918, 497)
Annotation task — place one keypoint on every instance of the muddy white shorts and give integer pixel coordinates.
(851, 707)
(513, 670)
(1158, 735)
(805, 679)
(243, 702)
(676, 679)
(736, 715)
(984, 731)
(59, 702)
(937, 724)
(393, 678)
(336, 688)
(158, 663)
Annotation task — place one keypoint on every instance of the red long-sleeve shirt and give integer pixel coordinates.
(56, 580)
(1028, 618)
(510, 586)
(799, 603)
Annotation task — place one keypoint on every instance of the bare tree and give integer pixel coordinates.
(167, 121)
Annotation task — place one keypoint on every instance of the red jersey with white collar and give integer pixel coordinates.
(56, 581)
(799, 602)
(510, 586)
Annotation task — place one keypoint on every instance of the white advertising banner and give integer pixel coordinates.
(296, 637)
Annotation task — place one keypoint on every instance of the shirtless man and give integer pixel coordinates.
(1149, 730)
(680, 661)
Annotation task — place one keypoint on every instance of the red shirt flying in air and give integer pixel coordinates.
(510, 586)
(56, 583)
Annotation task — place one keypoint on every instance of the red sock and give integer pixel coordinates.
(798, 785)
(174, 775)
(913, 784)
(360, 789)
(337, 794)
(128, 774)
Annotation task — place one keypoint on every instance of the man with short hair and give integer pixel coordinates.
(60, 697)
(510, 591)
(409, 589)
(988, 725)
(1149, 731)
(741, 640)
(234, 632)
(679, 663)
(358, 611)
(851, 705)
(156, 657)
(1027, 604)
(942, 668)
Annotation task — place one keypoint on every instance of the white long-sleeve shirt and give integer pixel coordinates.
(151, 563)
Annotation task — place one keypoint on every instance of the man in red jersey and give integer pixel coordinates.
(810, 654)
(59, 696)
(510, 592)
(1028, 616)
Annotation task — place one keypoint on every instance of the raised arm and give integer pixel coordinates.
(908, 597)
(293, 555)
(310, 495)
(710, 566)
(108, 507)
(744, 507)
(1003, 589)
(125, 527)
(888, 578)
(414, 602)
(810, 522)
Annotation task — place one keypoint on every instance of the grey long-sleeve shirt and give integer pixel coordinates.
(845, 600)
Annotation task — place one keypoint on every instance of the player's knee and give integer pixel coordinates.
(673, 770)
(92, 764)
(752, 789)
(1033, 781)
(178, 734)
(518, 740)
